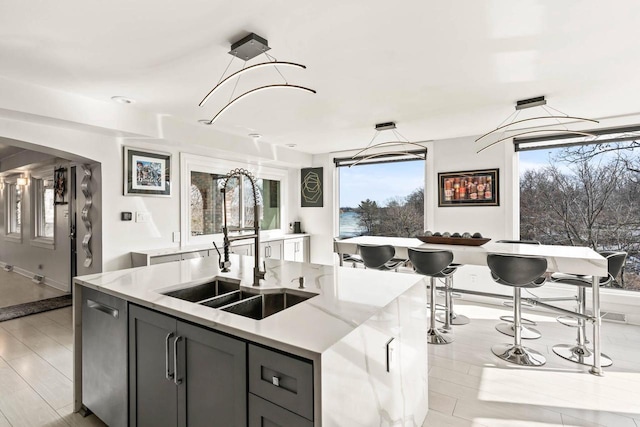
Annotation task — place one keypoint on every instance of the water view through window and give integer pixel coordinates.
(585, 196)
(383, 199)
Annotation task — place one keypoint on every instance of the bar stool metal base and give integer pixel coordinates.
(518, 354)
(580, 354)
(525, 334)
(455, 319)
(434, 336)
(509, 319)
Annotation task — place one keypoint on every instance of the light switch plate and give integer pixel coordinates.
(176, 237)
(143, 216)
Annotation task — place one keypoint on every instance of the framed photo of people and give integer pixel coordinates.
(469, 188)
(146, 173)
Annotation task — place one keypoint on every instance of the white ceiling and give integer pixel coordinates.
(439, 69)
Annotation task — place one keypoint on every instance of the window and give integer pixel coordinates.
(43, 209)
(381, 198)
(206, 203)
(14, 209)
(584, 195)
(204, 213)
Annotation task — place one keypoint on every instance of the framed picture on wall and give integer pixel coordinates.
(146, 173)
(469, 188)
(311, 187)
(59, 186)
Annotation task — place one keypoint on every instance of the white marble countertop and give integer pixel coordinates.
(346, 298)
(209, 246)
(565, 259)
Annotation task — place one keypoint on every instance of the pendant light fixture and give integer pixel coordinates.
(506, 129)
(246, 49)
(398, 146)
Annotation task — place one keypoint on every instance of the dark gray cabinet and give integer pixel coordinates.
(281, 379)
(265, 414)
(181, 374)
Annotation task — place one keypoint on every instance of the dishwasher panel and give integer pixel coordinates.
(104, 356)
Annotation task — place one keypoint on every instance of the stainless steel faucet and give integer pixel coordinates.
(257, 273)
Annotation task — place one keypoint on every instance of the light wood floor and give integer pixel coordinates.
(468, 385)
(18, 289)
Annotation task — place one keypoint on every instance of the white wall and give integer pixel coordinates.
(59, 123)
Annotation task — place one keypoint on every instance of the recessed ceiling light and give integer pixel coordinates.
(122, 100)
(291, 145)
(206, 122)
(255, 135)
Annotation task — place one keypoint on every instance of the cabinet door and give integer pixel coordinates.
(289, 249)
(242, 249)
(153, 395)
(212, 373)
(271, 249)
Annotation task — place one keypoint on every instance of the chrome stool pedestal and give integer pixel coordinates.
(526, 333)
(434, 335)
(518, 272)
(449, 317)
(434, 264)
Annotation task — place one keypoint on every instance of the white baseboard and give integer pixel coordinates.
(47, 280)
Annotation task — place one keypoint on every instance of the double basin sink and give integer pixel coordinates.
(227, 296)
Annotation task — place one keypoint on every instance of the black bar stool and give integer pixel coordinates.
(433, 264)
(517, 271)
(579, 353)
(379, 257)
(506, 328)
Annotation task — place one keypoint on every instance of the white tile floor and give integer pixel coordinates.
(468, 385)
(17, 289)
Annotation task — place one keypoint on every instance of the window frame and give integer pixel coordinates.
(619, 297)
(37, 211)
(11, 183)
(409, 156)
(195, 163)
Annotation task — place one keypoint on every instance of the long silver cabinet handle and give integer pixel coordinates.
(103, 308)
(168, 374)
(176, 380)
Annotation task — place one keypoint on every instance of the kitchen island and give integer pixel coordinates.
(359, 334)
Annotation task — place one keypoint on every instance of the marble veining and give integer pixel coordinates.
(346, 298)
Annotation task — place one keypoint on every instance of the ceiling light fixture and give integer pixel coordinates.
(400, 142)
(506, 131)
(204, 122)
(122, 100)
(246, 49)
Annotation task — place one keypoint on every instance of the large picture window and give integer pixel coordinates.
(382, 198)
(584, 195)
(202, 204)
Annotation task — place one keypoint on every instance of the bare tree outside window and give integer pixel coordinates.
(585, 196)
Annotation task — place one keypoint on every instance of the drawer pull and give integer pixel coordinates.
(389, 348)
(275, 381)
(103, 308)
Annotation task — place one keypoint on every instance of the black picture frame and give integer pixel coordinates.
(469, 188)
(59, 186)
(311, 190)
(146, 173)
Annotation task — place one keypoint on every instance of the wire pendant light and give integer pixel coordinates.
(400, 142)
(246, 49)
(505, 129)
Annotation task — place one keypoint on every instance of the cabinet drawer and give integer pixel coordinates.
(266, 414)
(165, 258)
(283, 380)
